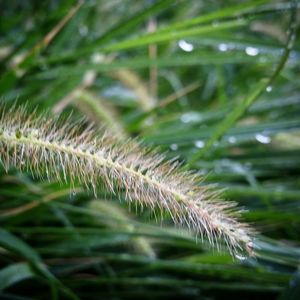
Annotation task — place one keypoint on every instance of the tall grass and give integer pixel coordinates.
(223, 101)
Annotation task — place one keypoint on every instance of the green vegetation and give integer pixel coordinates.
(213, 84)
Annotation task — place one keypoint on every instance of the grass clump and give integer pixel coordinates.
(214, 85)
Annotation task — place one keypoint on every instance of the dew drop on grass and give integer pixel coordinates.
(185, 46)
(83, 30)
(223, 47)
(262, 138)
(251, 51)
(232, 140)
(269, 89)
(240, 257)
(199, 144)
(97, 58)
(190, 117)
(173, 147)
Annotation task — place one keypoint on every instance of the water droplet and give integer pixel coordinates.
(251, 51)
(173, 147)
(231, 139)
(97, 58)
(149, 122)
(269, 89)
(199, 144)
(223, 47)
(190, 117)
(263, 138)
(83, 30)
(185, 46)
(240, 257)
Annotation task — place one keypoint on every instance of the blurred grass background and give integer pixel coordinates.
(214, 83)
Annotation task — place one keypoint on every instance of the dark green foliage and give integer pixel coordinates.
(239, 125)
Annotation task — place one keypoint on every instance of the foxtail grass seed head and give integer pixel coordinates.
(49, 148)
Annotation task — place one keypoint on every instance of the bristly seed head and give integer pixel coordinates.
(65, 152)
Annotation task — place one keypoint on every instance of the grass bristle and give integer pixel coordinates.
(51, 148)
